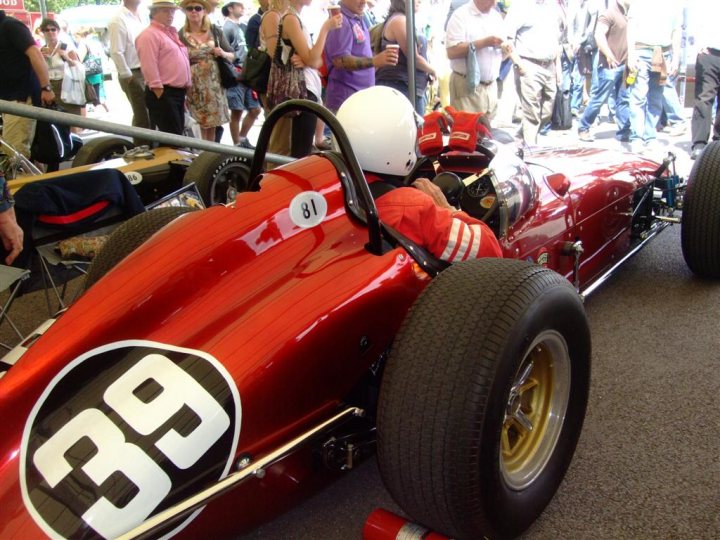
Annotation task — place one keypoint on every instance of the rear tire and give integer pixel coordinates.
(128, 237)
(490, 345)
(701, 215)
(218, 177)
(101, 149)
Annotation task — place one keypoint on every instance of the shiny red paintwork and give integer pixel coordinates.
(283, 308)
(595, 210)
(288, 310)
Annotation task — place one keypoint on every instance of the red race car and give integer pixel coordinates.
(244, 355)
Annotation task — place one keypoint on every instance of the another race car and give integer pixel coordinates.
(155, 172)
(224, 363)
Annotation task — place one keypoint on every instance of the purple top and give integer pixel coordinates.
(351, 39)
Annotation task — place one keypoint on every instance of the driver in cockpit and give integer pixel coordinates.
(381, 125)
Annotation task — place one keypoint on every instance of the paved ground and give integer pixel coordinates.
(648, 461)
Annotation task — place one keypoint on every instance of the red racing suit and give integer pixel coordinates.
(450, 236)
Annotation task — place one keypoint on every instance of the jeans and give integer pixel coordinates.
(671, 102)
(622, 113)
(594, 78)
(576, 88)
(645, 99)
(609, 84)
(566, 66)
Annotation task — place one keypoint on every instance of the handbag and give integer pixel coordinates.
(73, 84)
(256, 70)
(228, 75)
(93, 65)
(91, 95)
(285, 81)
(561, 113)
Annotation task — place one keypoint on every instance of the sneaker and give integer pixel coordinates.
(585, 136)
(245, 143)
(676, 130)
(696, 151)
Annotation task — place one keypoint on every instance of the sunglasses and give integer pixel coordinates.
(194, 8)
(49, 29)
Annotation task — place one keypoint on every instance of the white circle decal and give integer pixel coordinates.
(143, 426)
(308, 209)
(134, 177)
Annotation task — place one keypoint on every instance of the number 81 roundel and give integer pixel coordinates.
(124, 432)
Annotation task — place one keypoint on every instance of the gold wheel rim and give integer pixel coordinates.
(535, 410)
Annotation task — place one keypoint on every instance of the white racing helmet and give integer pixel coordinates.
(382, 127)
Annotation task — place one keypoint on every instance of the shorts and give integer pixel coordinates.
(242, 98)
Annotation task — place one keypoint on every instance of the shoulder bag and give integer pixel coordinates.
(256, 70)
(285, 81)
(228, 75)
(93, 64)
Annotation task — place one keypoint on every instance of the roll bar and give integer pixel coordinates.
(357, 186)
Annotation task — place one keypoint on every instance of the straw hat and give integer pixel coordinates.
(162, 3)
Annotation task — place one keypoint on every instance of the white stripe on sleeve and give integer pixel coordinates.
(452, 241)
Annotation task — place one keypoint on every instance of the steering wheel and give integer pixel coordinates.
(423, 168)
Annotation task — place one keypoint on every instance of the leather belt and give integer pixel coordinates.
(464, 76)
(541, 63)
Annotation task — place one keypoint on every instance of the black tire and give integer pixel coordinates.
(449, 383)
(218, 177)
(700, 232)
(101, 149)
(128, 237)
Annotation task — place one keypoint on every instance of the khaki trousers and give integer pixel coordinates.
(536, 90)
(279, 142)
(134, 88)
(483, 100)
(19, 131)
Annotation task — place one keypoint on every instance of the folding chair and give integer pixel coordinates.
(10, 280)
(60, 208)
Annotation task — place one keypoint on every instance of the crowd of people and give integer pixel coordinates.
(567, 59)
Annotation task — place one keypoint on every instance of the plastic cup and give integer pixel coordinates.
(334, 10)
(394, 47)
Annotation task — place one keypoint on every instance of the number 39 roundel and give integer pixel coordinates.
(124, 432)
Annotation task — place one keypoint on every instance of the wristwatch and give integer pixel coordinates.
(47, 88)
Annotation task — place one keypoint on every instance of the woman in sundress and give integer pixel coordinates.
(206, 98)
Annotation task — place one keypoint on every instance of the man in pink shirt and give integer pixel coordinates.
(165, 66)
